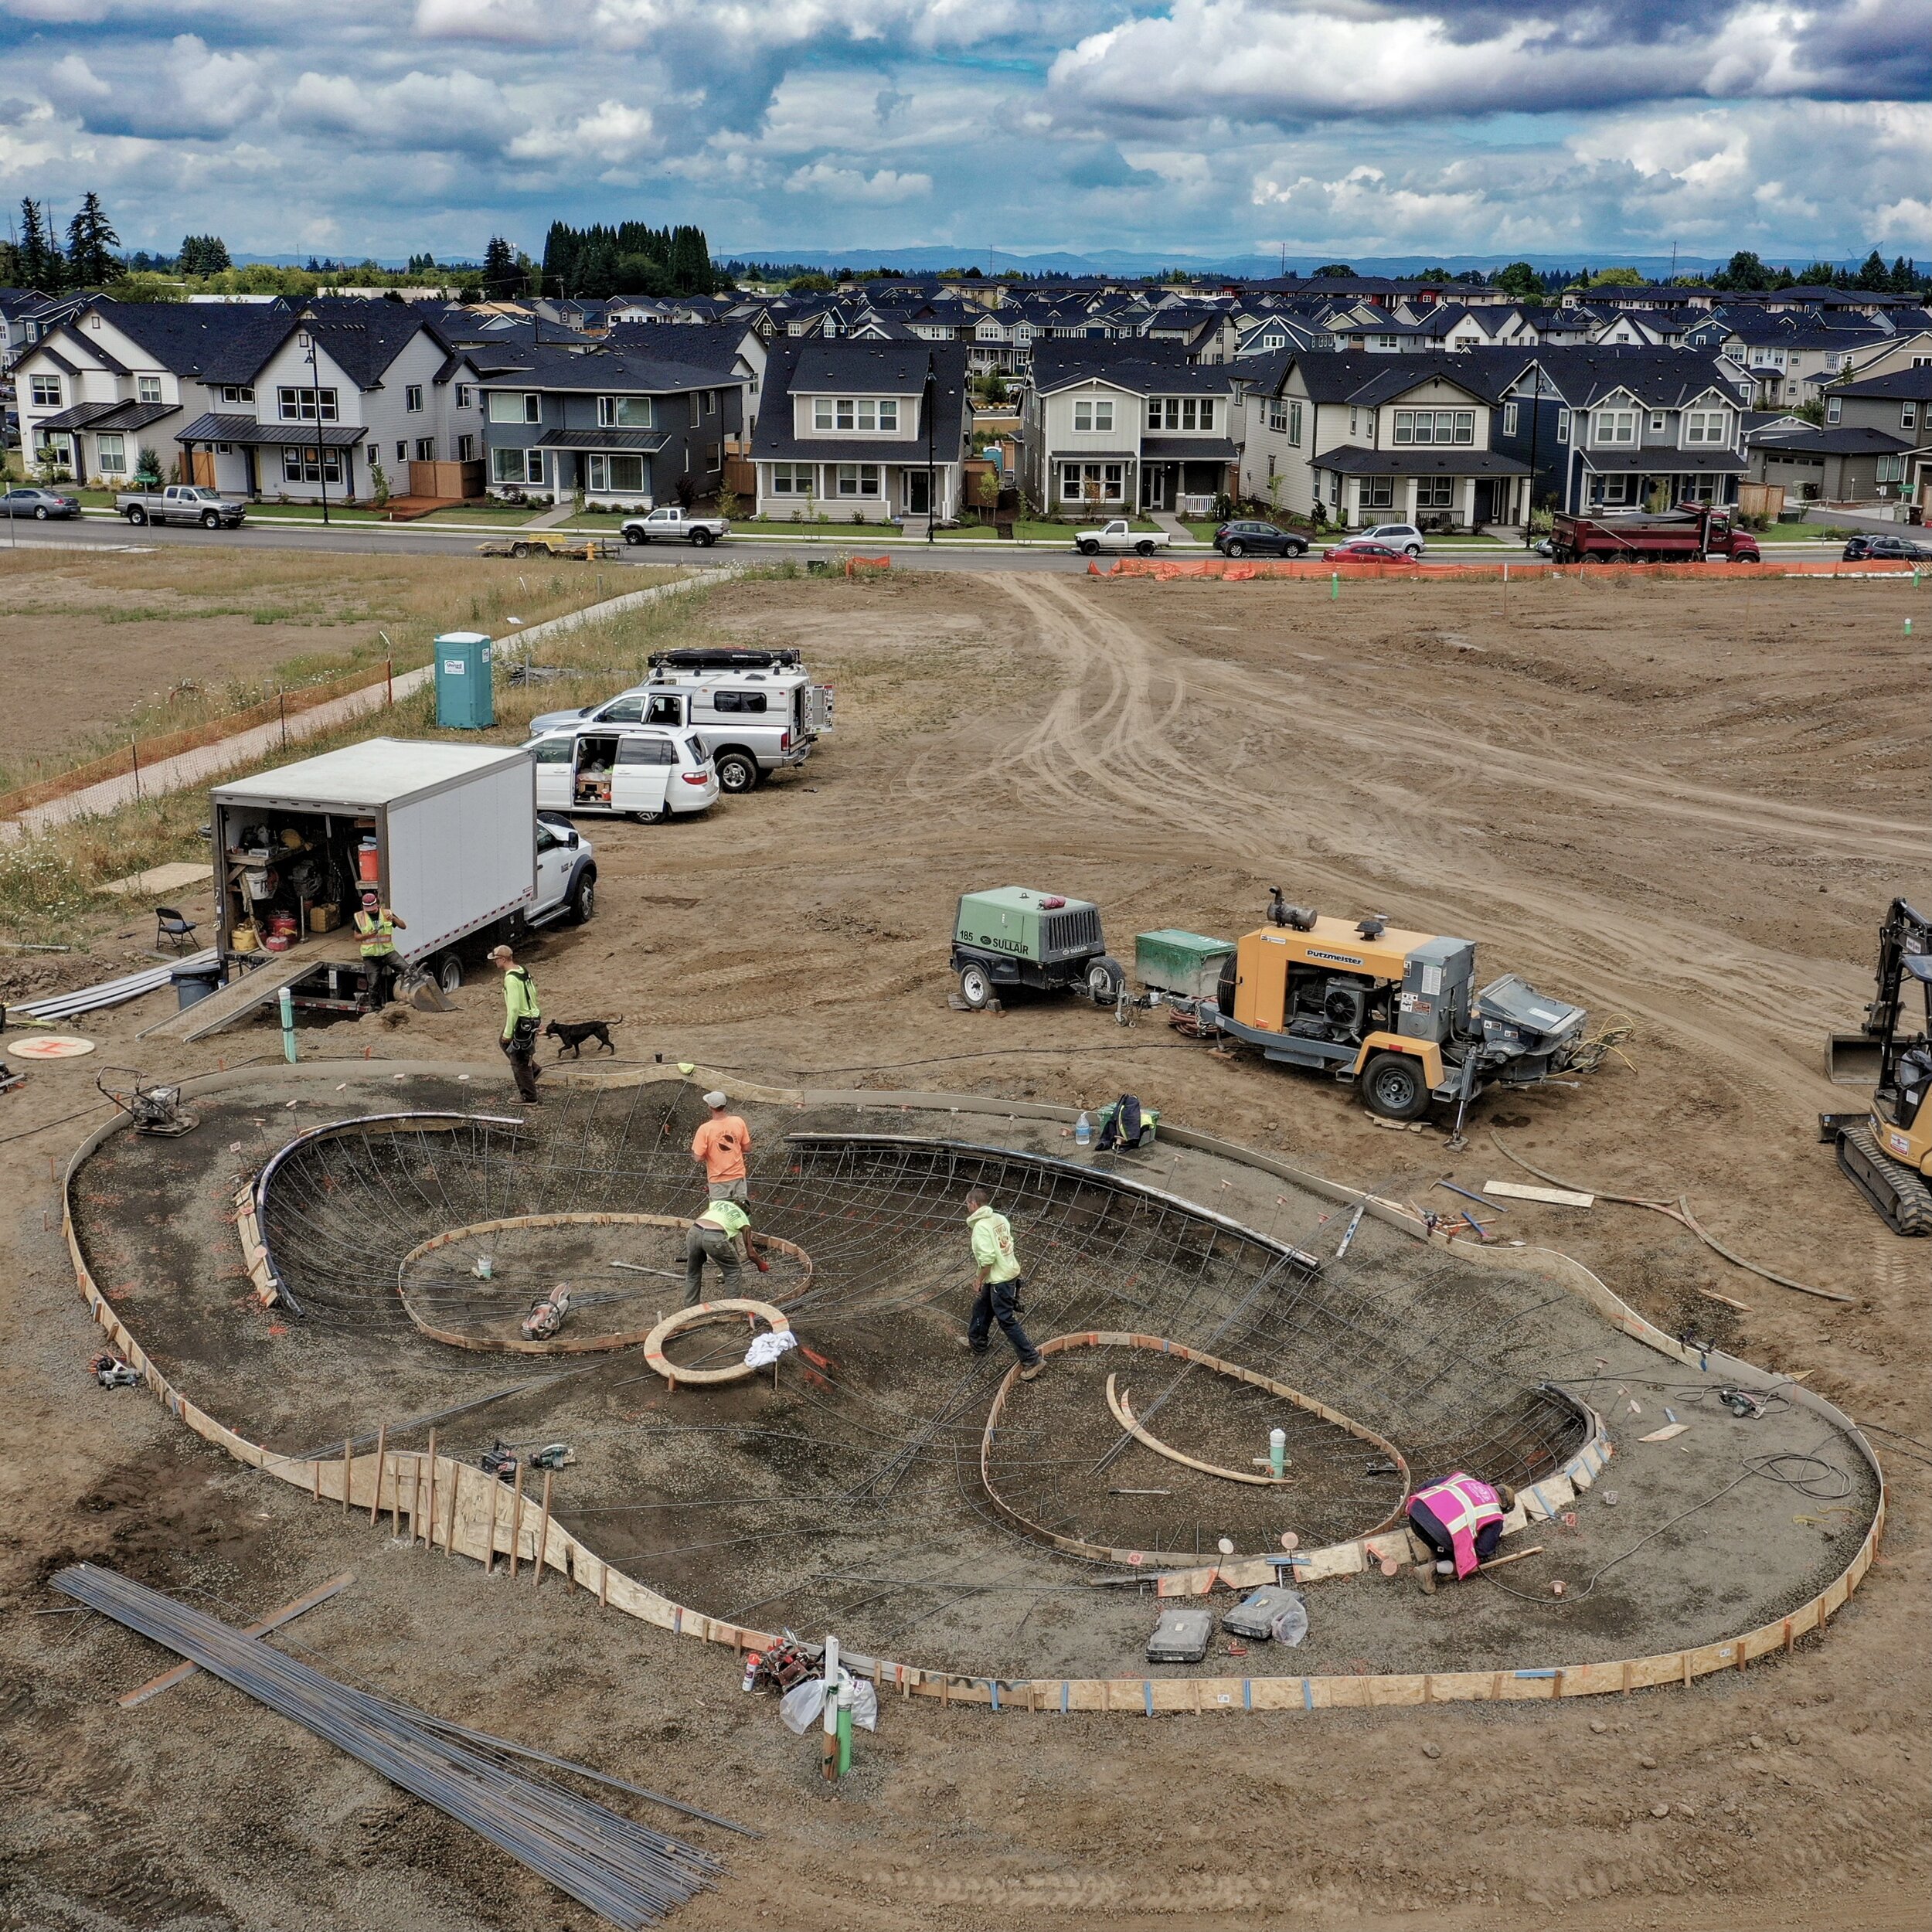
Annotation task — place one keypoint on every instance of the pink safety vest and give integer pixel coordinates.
(1462, 1504)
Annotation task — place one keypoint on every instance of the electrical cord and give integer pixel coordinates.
(1826, 1483)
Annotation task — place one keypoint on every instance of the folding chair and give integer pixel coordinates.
(169, 925)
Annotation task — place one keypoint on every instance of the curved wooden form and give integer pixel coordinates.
(454, 1506)
(1311, 1566)
(1123, 1414)
(695, 1317)
(563, 1345)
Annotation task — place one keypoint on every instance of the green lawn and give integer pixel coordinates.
(826, 529)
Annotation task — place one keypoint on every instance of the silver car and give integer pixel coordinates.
(40, 505)
(1404, 537)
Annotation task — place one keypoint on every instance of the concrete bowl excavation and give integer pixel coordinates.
(967, 1536)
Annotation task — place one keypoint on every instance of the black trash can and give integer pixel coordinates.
(193, 982)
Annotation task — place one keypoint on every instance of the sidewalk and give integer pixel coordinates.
(1173, 524)
(557, 513)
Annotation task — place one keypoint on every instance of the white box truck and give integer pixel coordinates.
(449, 834)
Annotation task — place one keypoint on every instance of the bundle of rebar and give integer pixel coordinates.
(626, 1872)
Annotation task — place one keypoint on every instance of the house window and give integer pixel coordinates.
(1656, 422)
(1436, 493)
(516, 466)
(1277, 414)
(1435, 425)
(711, 402)
(624, 413)
(413, 398)
(1891, 469)
(864, 412)
(1093, 416)
(110, 455)
(426, 449)
(147, 389)
(464, 395)
(1509, 419)
(465, 449)
(512, 406)
(1388, 341)
(1707, 425)
(46, 392)
(1609, 489)
(858, 479)
(307, 405)
(1181, 412)
(238, 393)
(311, 465)
(1354, 425)
(1614, 427)
(402, 450)
(618, 474)
(792, 479)
(1294, 424)
(1909, 415)
(1378, 492)
(1092, 482)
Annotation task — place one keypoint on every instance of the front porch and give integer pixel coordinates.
(614, 469)
(1607, 481)
(295, 462)
(1462, 491)
(870, 492)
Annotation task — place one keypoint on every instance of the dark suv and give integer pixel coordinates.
(1884, 549)
(1250, 536)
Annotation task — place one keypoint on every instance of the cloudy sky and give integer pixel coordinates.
(1201, 127)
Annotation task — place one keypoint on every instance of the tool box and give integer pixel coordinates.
(1181, 1637)
(1254, 1617)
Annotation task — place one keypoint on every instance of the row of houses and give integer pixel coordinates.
(344, 398)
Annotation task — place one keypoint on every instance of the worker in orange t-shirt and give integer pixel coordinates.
(722, 1144)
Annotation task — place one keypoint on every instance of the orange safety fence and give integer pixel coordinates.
(1310, 569)
(854, 564)
(139, 752)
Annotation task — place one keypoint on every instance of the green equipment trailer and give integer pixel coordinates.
(1012, 936)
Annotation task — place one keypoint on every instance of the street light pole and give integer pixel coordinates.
(932, 431)
(321, 448)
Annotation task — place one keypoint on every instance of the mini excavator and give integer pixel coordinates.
(1887, 1149)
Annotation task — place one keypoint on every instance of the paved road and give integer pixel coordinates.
(374, 540)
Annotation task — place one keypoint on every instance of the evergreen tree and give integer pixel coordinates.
(1904, 277)
(40, 262)
(1744, 270)
(1335, 268)
(206, 255)
(500, 276)
(91, 241)
(1873, 275)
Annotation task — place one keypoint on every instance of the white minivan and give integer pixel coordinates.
(648, 773)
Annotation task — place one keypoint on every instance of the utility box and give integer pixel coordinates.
(1172, 961)
(464, 701)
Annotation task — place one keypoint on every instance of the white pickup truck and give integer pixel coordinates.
(671, 524)
(183, 503)
(1121, 536)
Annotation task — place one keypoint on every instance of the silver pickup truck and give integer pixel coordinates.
(183, 503)
(671, 524)
(1118, 536)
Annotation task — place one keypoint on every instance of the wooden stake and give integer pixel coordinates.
(489, 1542)
(349, 1469)
(449, 1512)
(603, 1584)
(516, 1520)
(1515, 1556)
(316, 1480)
(542, 1534)
(382, 1450)
(429, 1539)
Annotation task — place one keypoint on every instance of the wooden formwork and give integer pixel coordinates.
(461, 1511)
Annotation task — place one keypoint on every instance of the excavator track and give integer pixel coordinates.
(1901, 1197)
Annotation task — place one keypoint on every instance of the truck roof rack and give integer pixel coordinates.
(723, 658)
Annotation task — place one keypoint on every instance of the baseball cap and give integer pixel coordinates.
(714, 1098)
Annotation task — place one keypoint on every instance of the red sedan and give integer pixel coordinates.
(1361, 550)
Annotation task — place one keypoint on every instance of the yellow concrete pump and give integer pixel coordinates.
(1397, 1012)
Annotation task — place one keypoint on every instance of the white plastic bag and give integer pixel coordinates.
(865, 1706)
(766, 1348)
(1292, 1625)
(803, 1706)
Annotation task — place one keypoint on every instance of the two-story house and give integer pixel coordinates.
(258, 399)
(1114, 428)
(1898, 405)
(1616, 428)
(870, 429)
(631, 425)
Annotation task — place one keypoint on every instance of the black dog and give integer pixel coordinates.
(573, 1033)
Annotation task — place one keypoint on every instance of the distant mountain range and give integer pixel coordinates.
(1111, 261)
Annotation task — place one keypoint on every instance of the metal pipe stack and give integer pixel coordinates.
(626, 1872)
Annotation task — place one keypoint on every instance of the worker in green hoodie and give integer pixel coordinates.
(521, 1014)
(999, 1284)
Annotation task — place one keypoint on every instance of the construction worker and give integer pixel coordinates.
(720, 1234)
(378, 925)
(521, 1016)
(1461, 1520)
(722, 1144)
(1000, 1284)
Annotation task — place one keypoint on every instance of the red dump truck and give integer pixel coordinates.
(1692, 533)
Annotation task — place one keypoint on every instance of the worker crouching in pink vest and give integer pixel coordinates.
(1460, 1519)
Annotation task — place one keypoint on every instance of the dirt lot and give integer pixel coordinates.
(99, 644)
(1685, 805)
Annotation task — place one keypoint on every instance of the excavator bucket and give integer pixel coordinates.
(1851, 1060)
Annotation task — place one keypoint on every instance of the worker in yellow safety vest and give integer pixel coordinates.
(378, 925)
(998, 1284)
(521, 1014)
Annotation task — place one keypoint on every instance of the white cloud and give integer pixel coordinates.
(855, 184)
(426, 111)
(613, 131)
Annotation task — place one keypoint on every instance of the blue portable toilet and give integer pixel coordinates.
(464, 701)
